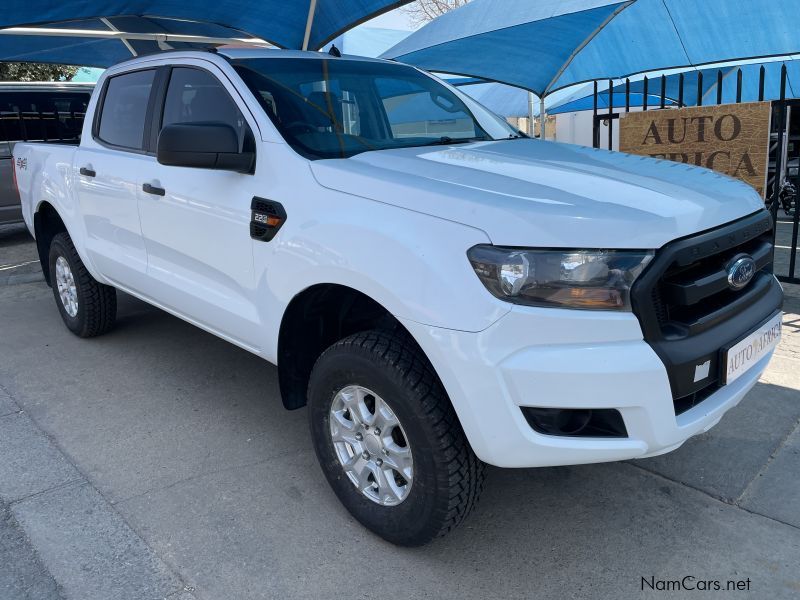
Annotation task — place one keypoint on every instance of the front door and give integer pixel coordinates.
(196, 222)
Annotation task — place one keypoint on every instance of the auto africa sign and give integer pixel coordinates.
(729, 138)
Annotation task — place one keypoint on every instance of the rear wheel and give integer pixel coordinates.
(388, 440)
(87, 307)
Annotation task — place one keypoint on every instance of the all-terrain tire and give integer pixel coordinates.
(96, 308)
(447, 476)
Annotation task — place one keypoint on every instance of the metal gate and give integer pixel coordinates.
(784, 151)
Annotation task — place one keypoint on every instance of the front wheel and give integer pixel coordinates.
(87, 307)
(388, 439)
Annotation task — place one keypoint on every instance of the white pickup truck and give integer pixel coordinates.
(440, 290)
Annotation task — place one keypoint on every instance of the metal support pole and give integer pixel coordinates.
(776, 186)
(699, 88)
(627, 95)
(110, 25)
(124, 35)
(610, 114)
(312, 8)
(795, 228)
(542, 118)
(595, 123)
(531, 113)
(645, 94)
(738, 86)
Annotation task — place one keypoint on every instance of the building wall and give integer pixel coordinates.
(576, 128)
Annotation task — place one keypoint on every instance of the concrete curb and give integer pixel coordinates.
(22, 575)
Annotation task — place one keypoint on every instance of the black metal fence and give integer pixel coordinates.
(782, 188)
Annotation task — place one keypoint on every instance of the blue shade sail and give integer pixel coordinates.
(518, 42)
(547, 45)
(280, 22)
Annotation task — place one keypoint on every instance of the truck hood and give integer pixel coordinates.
(531, 193)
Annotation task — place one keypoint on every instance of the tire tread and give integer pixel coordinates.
(99, 301)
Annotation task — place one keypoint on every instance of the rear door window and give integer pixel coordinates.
(124, 112)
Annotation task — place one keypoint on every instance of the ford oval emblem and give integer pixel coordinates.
(741, 272)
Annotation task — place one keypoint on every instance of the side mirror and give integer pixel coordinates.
(203, 146)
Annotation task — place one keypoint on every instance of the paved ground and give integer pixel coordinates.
(157, 462)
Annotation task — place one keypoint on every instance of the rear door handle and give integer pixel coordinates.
(88, 172)
(151, 189)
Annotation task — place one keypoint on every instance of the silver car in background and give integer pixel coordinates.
(40, 112)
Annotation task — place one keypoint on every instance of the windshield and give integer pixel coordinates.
(336, 108)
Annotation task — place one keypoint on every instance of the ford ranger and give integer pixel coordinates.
(440, 291)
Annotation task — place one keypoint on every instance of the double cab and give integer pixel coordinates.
(439, 290)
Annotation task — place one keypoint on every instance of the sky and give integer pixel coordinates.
(395, 19)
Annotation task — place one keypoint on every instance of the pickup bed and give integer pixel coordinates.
(441, 291)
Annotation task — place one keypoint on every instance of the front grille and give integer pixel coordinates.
(696, 296)
(689, 312)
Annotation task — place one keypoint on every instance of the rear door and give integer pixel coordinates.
(196, 226)
(108, 168)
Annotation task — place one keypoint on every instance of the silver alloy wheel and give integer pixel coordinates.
(371, 445)
(66, 286)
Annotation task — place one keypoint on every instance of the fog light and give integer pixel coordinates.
(576, 422)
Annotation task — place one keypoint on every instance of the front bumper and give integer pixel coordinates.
(565, 359)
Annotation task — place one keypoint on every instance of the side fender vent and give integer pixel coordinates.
(266, 219)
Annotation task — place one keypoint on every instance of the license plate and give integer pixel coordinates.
(739, 358)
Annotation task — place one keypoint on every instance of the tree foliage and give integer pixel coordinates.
(25, 71)
(423, 11)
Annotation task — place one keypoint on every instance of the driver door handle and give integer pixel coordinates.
(88, 172)
(151, 189)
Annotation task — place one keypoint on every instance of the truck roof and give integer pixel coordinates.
(234, 53)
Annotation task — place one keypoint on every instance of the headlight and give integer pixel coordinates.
(587, 279)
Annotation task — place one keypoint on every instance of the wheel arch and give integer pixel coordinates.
(47, 223)
(315, 319)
